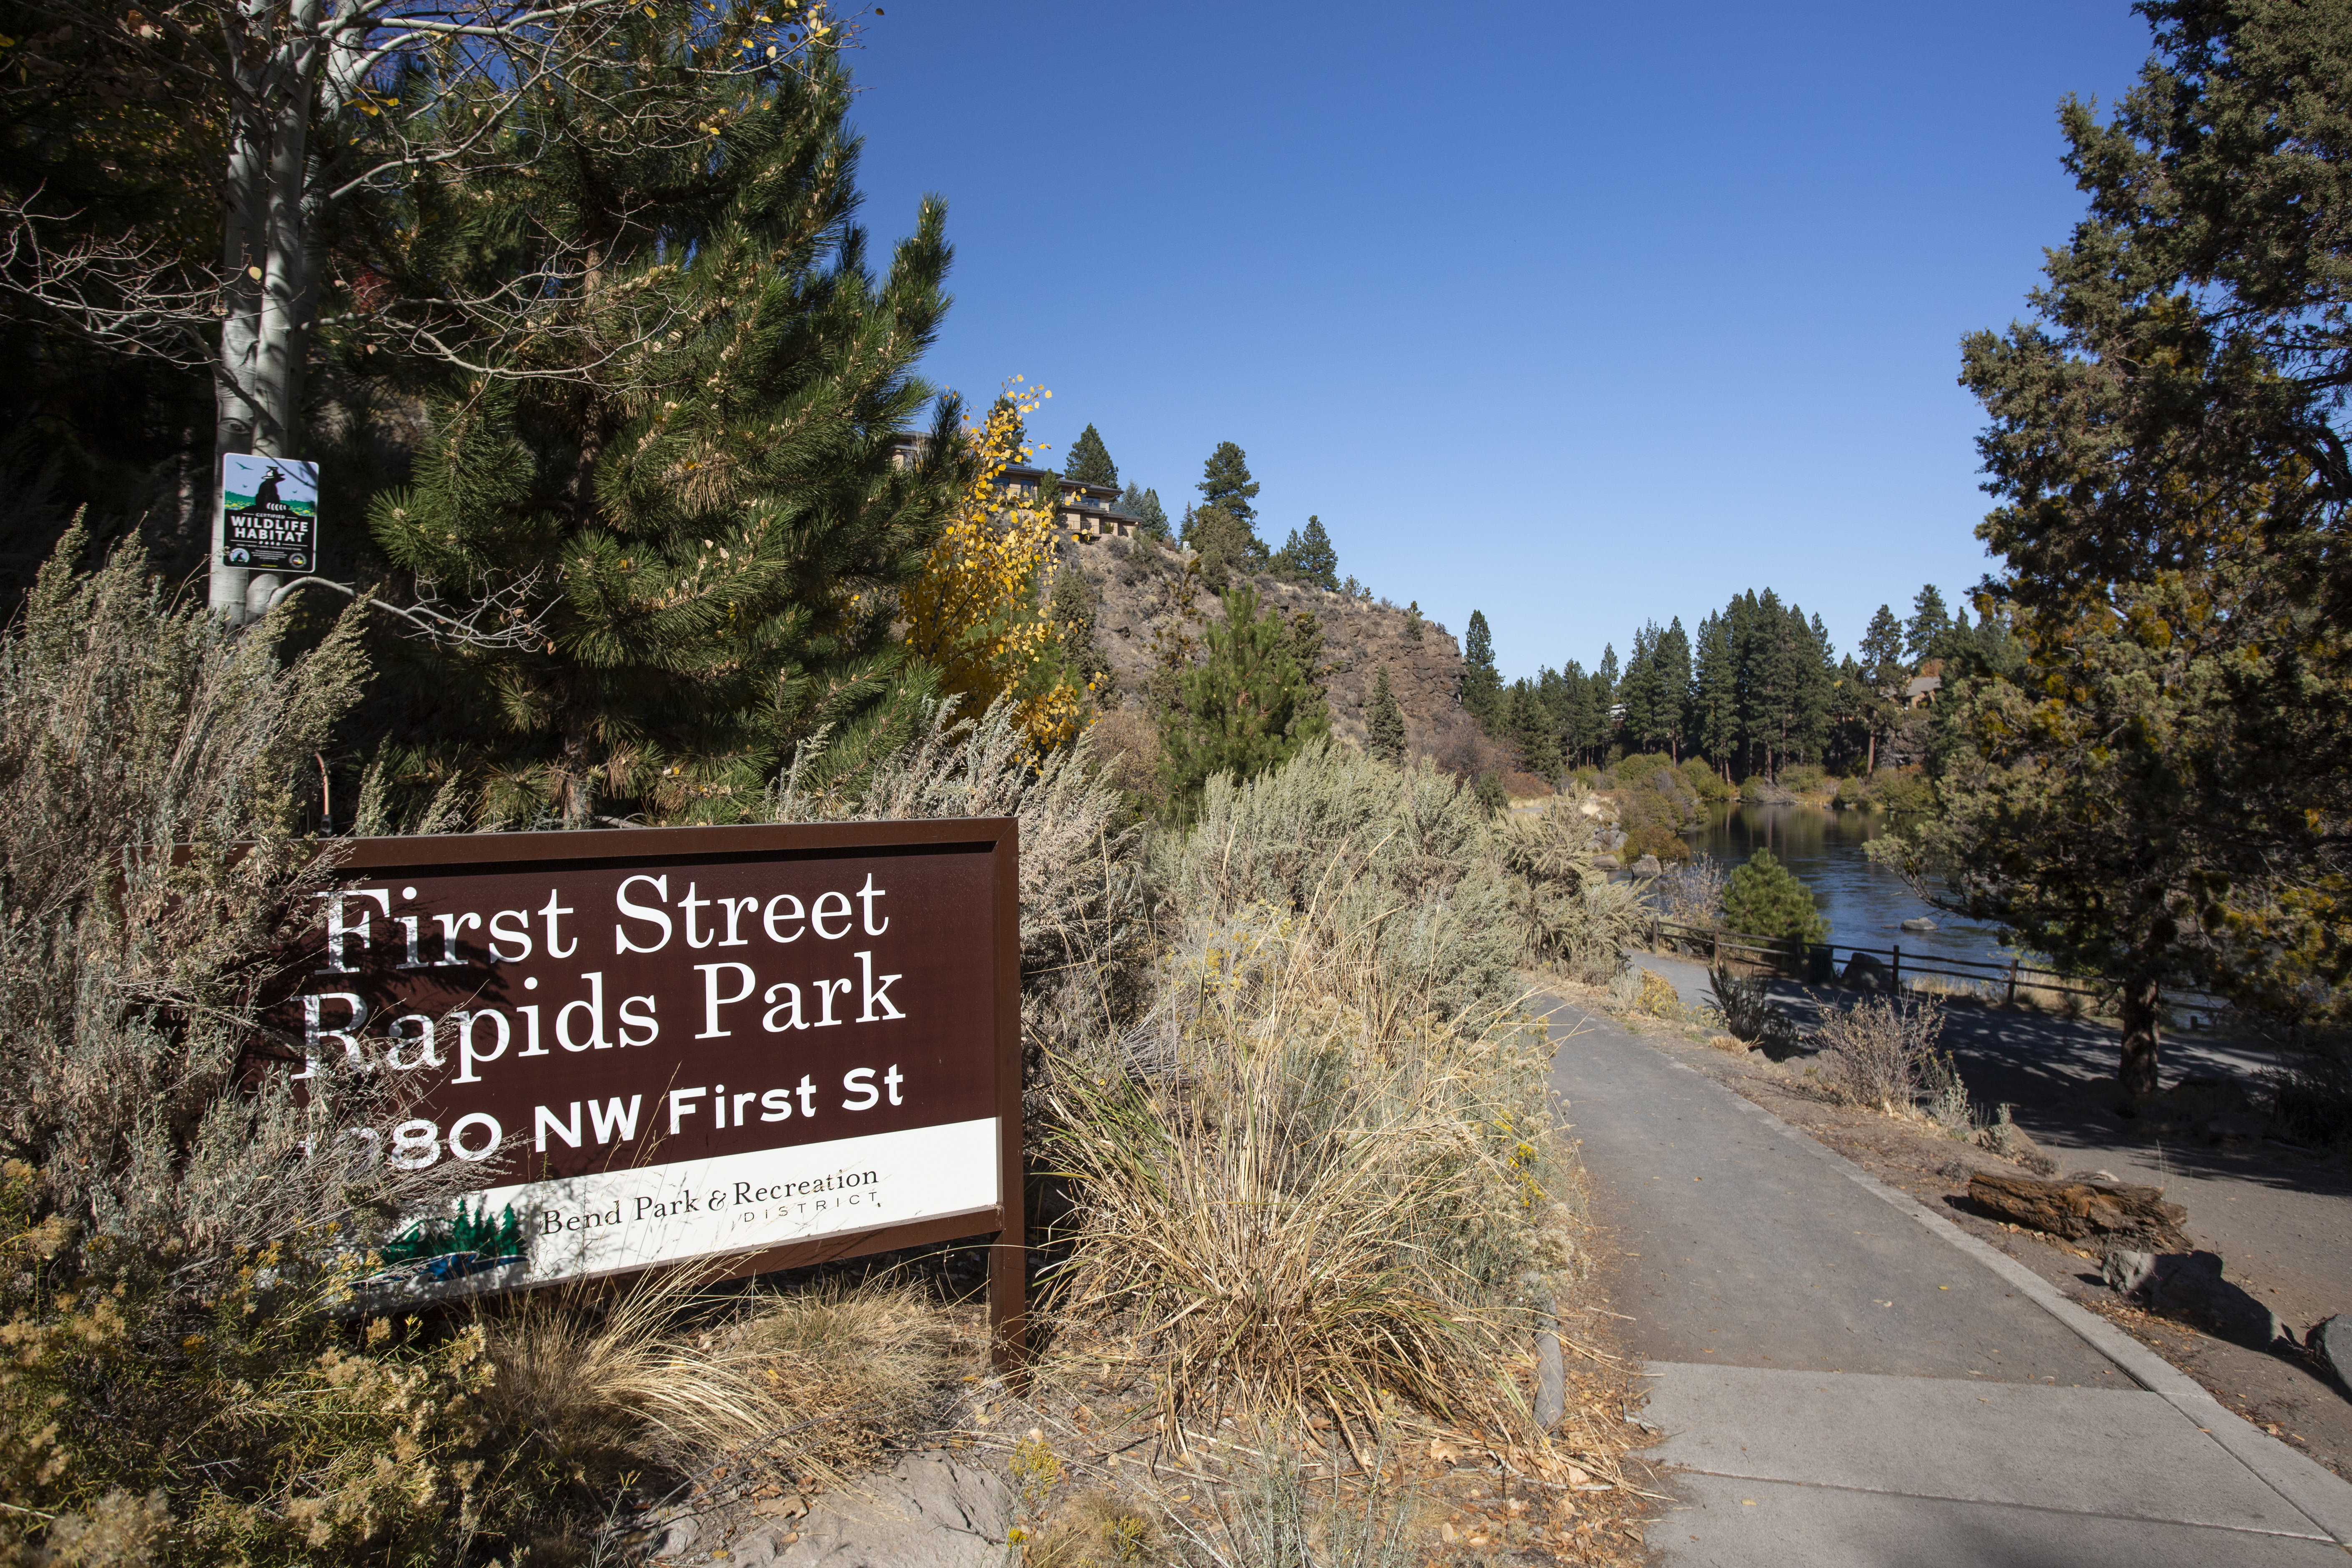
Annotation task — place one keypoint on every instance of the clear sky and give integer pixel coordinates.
(1579, 316)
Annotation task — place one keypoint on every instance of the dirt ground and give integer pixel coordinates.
(2285, 1391)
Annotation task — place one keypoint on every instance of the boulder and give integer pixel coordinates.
(1920, 923)
(2190, 1285)
(1647, 867)
(2330, 1340)
(1864, 972)
(2082, 1211)
(1605, 862)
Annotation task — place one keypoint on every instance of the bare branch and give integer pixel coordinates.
(499, 621)
(125, 293)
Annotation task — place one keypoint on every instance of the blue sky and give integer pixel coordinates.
(1581, 317)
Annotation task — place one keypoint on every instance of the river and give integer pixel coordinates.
(1867, 904)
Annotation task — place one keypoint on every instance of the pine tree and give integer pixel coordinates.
(1312, 559)
(1150, 517)
(1244, 708)
(1482, 684)
(1221, 540)
(1226, 482)
(1715, 695)
(1602, 682)
(1532, 731)
(1673, 659)
(1089, 462)
(1072, 607)
(1764, 898)
(695, 538)
(1929, 621)
(1633, 693)
(1384, 722)
(1882, 676)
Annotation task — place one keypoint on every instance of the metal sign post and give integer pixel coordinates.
(758, 1047)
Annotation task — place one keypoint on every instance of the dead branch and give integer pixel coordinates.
(124, 293)
(499, 621)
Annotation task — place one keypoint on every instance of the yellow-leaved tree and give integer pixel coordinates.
(976, 612)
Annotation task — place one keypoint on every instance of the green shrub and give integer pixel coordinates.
(1704, 782)
(1570, 915)
(1803, 779)
(1764, 898)
(1903, 795)
(1395, 861)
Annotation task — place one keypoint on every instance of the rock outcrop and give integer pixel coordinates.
(1130, 578)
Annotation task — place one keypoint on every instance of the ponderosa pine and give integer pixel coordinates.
(691, 505)
(1246, 707)
(2153, 786)
(1089, 462)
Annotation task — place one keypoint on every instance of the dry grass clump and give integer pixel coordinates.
(1277, 1514)
(665, 1374)
(1313, 1179)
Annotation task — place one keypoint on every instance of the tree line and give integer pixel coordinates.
(1758, 688)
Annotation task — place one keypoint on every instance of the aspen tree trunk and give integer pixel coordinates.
(266, 250)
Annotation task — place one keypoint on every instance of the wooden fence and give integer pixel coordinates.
(1818, 962)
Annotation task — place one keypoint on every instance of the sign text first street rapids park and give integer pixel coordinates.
(667, 1044)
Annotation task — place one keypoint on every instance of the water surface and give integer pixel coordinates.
(1867, 904)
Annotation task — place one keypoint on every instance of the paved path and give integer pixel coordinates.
(1844, 1379)
(2287, 1225)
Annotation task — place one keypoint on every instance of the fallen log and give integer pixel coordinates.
(2084, 1211)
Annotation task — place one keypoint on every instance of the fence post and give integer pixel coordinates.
(1895, 976)
(1715, 951)
(2012, 984)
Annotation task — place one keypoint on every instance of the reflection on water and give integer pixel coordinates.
(1867, 904)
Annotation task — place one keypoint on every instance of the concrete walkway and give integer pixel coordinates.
(1845, 1379)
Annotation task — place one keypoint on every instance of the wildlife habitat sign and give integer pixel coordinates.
(269, 512)
(771, 1045)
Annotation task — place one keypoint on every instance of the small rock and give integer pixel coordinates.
(2127, 1270)
(1647, 867)
(1920, 923)
(678, 1536)
(2331, 1340)
(1605, 862)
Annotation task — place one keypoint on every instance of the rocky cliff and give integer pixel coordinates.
(1134, 585)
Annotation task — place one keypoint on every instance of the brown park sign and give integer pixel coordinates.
(770, 1045)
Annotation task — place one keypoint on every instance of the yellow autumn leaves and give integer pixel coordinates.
(975, 610)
